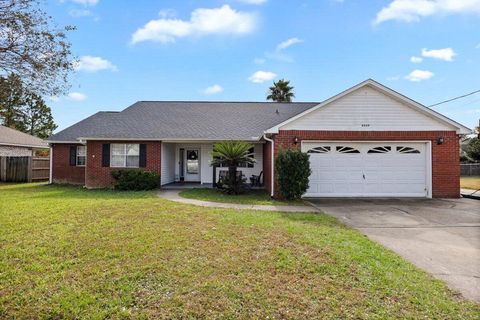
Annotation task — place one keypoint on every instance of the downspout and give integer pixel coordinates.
(272, 164)
(50, 175)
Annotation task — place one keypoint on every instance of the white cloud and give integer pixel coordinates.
(86, 2)
(223, 20)
(262, 76)
(54, 98)
(93, 64)
(446, 54)
(213, 89)
(419, 75)
(414, 10)
(287, 43)
(76, 96)
(416, 59)
(254, 1)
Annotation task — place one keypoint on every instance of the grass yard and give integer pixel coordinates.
(472, 182)
(70, 253)
(253, 197)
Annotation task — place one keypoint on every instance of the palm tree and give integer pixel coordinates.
(232, 154)
(281, 91)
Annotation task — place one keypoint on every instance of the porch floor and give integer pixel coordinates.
(192, 185)
(186, 185)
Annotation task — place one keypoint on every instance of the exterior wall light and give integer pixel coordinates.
(295, 140)
(440, 140)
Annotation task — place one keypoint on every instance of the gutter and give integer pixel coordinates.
(272, 164)
(24, 145)
(193, 140)
(50, 176)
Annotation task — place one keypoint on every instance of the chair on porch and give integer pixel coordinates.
(256, 181)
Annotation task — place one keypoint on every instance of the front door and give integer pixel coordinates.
(192, 165)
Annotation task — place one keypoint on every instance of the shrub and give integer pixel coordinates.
(465, 159)
(473, 149)
(134, 179)
(232, 187)
(231, 154)
(292, 169)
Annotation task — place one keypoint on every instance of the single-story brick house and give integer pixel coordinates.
(14, 143)
(368, 141)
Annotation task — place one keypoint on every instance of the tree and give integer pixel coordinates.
(33, 48)
(232, 154)
(293, 172)
(24, 110)
(11, 100)
(473, 149)
(37, 117)
(281, 91)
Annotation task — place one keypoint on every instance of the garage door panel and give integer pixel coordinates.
(390, 169)
(326, 188)
(342, 161)
(321, 162)
(312, 188)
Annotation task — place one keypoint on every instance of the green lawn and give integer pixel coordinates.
(472, 182)
(70, 253)
(249, 197)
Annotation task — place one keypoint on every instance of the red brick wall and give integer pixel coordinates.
(62, 172)
(100, 177)
(445, 157)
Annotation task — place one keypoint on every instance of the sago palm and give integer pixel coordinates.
(281, 91)
(232, 154)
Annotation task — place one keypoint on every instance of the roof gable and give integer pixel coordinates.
(370, 106)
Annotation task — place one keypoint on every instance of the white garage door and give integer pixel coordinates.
(359, 169)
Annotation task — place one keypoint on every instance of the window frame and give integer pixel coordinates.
(243, 165)
(84, 156)
(124, 155)
(250, 155)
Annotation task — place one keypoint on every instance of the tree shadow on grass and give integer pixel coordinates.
(314, 218)
(42, 190)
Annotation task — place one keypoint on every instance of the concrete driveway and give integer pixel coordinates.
(439, 236)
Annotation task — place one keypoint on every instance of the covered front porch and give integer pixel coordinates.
(187, 165)
(186, 185)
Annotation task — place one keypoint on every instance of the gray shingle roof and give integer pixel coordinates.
(184, 120)
(9, 136)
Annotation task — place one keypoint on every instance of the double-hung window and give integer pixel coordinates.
(125, 155)
(81, 156)
(251, 154)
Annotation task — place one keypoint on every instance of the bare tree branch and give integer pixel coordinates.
(33, 48)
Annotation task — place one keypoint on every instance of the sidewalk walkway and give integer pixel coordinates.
(174, 195)
(470, 193)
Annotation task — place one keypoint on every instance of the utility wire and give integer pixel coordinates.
(456, 98)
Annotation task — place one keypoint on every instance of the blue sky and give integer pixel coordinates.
(428, 50)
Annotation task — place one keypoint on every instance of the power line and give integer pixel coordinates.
(456, 98)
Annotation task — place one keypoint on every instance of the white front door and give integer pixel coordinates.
(373, 169)
(192, 165)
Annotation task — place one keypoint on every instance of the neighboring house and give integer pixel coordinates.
(14, 143)
(368, 141)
